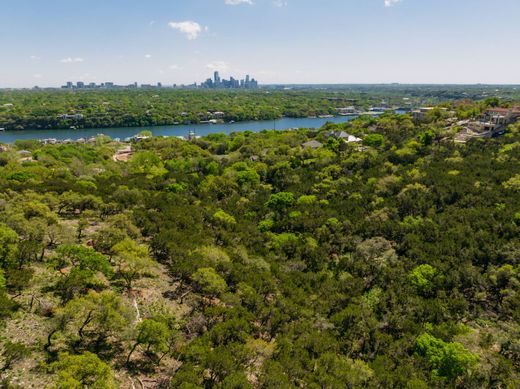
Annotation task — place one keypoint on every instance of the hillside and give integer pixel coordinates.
(263, 261)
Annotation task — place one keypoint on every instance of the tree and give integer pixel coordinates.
(422, 278)
(132, 261)
(84, 258)
(280, 201)
(8, 240)
(224, 218)
(2, 281)
(148, 163)
(209, 281)
(336, 371)
(93, 317)
(374, 140)
(82, 371)
(106, 238)
(154, 335)
(449, 360)
(513, 183)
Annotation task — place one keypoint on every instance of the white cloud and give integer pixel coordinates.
(280, 3)
(219, 66)
(238, 2)
(72, 60)
(148, 56)
(190, 29)
(37, 76)
(174, 67)
(391, 3)
(34, 58)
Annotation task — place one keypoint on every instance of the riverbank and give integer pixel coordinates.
(174, 130)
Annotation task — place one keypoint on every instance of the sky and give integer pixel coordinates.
(49, 42)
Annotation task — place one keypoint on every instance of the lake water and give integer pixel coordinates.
(176, 130)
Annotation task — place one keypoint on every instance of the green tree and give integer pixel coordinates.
(280, 201)
(153, 335)
(422, 278)
(82, 371)
(133, 261)
(209, 281)
(449, 360)
(148, 163)
(93, 317)
(8, 241)
(374, 140)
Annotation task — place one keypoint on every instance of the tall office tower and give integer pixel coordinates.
(216, 78)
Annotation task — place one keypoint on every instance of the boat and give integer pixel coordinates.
(2, 129)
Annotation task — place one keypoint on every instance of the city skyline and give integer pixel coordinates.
(282, 42)
(216, 82)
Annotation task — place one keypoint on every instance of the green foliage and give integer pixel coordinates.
(307, 200)
(449, 360)
(94, 317)
(177, 187)
(82, 371)
(280, 201)
(513, 183)
(147, 163)
(266, 225)
(153, 335)
(224, 218)
(209, 281)
(426, 138)
(246, 260)
(84, 258)
(374, 140)
(13, 352)
(133, 260)
(422, 278)
(8, 240)
(2, 281)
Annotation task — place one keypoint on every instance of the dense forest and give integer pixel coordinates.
(53, 109)
(134, 108)
(253, 261)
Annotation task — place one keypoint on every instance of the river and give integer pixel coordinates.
(174, 130)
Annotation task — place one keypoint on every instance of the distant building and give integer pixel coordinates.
(347, 111)
(76, 116)
(219, 83)
(420, 115)
(496, 118)
(343, 136)
(313, 144)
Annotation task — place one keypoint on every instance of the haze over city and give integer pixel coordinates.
(292, 41)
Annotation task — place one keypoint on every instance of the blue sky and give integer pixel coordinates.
(48, 42)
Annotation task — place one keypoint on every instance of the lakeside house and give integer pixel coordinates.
(491, 123)
(313, 144)
(420, 114)
(348, 138)
(346, 111)
(76, 116)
